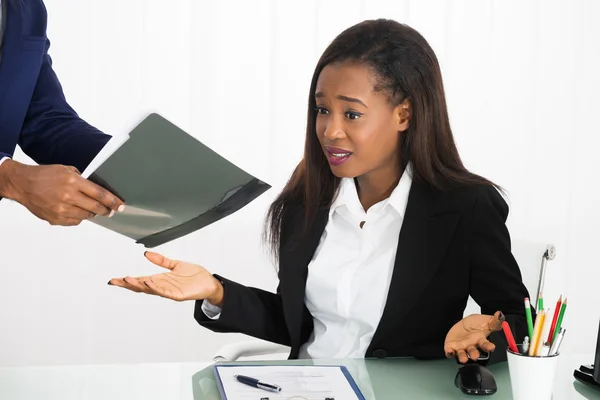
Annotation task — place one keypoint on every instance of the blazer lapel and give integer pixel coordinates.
(294, 262)
(424, 237)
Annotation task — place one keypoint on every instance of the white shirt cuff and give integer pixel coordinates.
(210, 310)
(4, 159)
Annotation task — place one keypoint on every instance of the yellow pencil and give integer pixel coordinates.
(544, 331)
(540, 338)
(536, 333)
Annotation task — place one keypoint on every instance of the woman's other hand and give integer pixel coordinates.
(469, 335)
(184, 281)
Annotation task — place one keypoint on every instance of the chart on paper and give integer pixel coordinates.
(296, 382)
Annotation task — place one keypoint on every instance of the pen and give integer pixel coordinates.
(246, 380)
(326, 398)
(545, 349)
(557, 341)
(525, 345)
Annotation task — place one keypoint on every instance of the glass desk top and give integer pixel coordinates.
(405, 378)
(379, 379)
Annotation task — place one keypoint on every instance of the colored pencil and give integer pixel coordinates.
(529, 318)
(554, 320)
(544, 333)
(512, 345)
(537, 327)
(560, 318)
(539, 341)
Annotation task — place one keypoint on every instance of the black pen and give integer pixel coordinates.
(257, 383)
(326, 398)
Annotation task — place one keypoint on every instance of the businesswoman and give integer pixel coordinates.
(381, 233)
(35, 115)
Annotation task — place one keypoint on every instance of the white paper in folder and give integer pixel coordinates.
(296, 382)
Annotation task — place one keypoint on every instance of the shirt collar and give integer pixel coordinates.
(348, 196)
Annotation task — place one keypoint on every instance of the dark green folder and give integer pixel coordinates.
(171, 183)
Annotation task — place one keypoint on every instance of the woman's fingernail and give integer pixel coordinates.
(121, 208)
(145, 253)
(109, 283)
(501, 316)
(112, 212)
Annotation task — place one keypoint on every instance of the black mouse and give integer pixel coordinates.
(475, 379)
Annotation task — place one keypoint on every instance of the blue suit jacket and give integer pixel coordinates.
(33, 110)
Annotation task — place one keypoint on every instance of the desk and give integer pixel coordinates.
(383, 379)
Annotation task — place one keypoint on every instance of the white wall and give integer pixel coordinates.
(521, 80)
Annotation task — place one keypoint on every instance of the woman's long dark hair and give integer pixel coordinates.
(405, 67)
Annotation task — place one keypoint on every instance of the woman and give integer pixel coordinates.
(381, 233)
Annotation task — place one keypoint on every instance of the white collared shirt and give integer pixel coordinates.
(350, 273)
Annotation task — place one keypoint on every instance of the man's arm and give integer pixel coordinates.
(52, 131)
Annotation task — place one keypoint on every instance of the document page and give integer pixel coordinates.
(296, 382)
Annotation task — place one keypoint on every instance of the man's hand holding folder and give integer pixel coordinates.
(56, 193)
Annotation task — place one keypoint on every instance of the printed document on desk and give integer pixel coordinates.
(297, 382)
(171, 183)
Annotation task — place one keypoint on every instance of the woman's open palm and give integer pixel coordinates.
(184, 281)
(470, 334)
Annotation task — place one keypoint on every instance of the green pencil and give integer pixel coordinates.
(560, 318)
(529, 319)
(540, 303)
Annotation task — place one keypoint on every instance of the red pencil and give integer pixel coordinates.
(512, 345)
(554, 319)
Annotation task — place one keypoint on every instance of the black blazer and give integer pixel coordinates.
(452, 244)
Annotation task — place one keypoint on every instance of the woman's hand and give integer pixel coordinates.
(470, 334)
(184, 281)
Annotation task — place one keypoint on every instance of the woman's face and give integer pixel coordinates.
(358, 128)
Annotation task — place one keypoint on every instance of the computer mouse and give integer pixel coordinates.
(475, 379)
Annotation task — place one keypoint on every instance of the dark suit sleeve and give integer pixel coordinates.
(496, 283)
(256, 312)
(250, 311)
(52, 132)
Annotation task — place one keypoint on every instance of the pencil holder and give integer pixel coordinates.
(531, 377)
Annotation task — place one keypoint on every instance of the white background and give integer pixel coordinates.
(522, 84)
